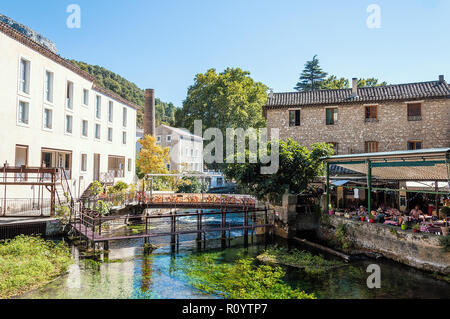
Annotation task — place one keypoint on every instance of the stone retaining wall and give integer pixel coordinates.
(419, 250)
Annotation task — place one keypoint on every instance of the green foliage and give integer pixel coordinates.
(30, 262)
(311, 77)
(334, 83)
(63, 213)
(298, 167)
(312, 264)
(103, 207)
(314, 78)
(96, 188)
(120, 186)
(444, 242)
(190, 185)
(229, 99)
(342, 238)
(165, 112)
(239, 280)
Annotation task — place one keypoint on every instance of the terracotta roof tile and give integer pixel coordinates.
(408, 91)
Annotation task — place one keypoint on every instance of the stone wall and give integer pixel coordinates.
(419, 250)
(392, 130)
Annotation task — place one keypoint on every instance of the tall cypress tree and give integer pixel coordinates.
(312, 76)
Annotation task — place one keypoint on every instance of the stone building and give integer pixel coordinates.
(357, 120)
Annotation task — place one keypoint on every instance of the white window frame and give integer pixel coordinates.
(124, 117)
(52, 88)
(28, 77)
(98, 107)
(110, 129)
(69, 106)
(88, 95)
(99, 131)
(110, 111)
(18, 113)
(124, 138)
(85, 163)
(43, 119)
(130, 164)
(168, 138)
(65, 124)
(87, 128)
(158, 138)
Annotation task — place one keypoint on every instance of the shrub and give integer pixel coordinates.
(96, 188)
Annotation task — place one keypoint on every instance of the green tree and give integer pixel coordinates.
(298, 167)
(370, 82)
(190, 185)
(311, 77)
(333, 83)
(227, 99)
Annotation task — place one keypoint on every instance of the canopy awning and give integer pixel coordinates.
(417, 165)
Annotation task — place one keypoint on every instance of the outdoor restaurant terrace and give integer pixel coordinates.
(399, 188)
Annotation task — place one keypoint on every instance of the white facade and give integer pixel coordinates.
(186, 149)
(49, 115)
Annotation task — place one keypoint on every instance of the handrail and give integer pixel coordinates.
(68, 191)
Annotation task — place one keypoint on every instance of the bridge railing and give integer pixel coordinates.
(96, 227)
(126, 198)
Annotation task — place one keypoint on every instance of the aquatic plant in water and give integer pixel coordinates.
(241, 279)
(30, 262)
(311, 263)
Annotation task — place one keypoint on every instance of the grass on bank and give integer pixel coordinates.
(29, 262)
(242, 279)
(300, 259)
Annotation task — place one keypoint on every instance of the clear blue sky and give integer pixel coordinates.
(163, 44)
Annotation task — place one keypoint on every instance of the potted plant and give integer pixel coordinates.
(445, 228)
(416, 228)
(404, 226)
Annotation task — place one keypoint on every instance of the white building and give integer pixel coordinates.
(53, 114)
(186, 149)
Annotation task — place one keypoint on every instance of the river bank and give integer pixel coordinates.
(27, 263)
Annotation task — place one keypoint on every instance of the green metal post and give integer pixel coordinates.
(369, 185)
(328, 188)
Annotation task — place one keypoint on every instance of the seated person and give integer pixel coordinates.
(361, 211)
(380, 216)
(415, 213)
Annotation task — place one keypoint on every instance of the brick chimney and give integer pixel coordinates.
(355, 87)
(149, 112)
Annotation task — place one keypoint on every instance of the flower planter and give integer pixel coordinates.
(362, 219)
(371, 221)
(404, 227)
